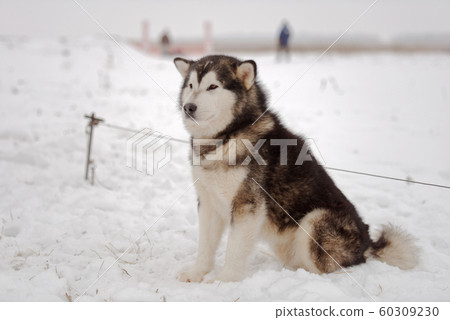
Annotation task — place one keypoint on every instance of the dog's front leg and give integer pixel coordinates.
(211, 226)
(244, 231)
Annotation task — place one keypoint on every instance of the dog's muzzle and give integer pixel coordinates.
(189, 109)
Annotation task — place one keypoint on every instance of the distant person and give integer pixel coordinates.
(283, 43)
(165, 43)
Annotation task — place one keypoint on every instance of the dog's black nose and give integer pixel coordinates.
(189, 108)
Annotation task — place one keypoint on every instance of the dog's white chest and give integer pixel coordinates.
(219, 185)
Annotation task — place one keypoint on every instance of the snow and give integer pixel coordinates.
(378, 113)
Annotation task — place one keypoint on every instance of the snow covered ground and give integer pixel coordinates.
(382, 113)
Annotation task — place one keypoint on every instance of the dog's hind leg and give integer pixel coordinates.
(300, 248)
(293, 245)
(327, 241)
(211, 226)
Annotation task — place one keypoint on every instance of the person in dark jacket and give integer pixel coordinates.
(165, 43)
(283, 43)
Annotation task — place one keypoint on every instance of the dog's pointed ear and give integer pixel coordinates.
(246, 71)
(182, 65)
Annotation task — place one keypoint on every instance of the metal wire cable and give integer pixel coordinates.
(112, 126)
(390, 178)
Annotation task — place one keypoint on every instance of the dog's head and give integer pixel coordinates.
(213, 89)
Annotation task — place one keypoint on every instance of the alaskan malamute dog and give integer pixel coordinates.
(249, 178)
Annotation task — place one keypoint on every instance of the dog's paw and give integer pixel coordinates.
(191, 275)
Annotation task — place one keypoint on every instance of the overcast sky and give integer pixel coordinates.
(386, 18)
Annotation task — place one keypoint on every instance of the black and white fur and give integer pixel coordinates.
(221, 99)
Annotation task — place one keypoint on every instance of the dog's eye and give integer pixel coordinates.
(212, 87)
(190, 85)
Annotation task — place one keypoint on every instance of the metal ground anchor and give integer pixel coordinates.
(93, 121)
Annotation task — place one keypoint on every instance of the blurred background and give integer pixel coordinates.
(235, 25)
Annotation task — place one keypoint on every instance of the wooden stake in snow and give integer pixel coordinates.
(93, 121)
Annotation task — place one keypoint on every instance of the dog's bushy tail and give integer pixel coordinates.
(395, 247)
